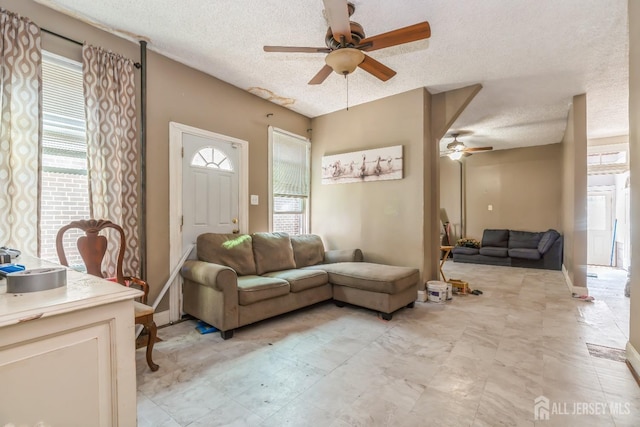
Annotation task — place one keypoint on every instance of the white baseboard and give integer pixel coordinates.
(573, 289)
(567, 279)
(162, 317)
(633, 357)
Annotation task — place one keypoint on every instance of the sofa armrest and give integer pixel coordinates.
(212, 275)
(343, 255)
(552, 259)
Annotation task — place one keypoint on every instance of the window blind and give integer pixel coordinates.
(63, 124)
(290, 165)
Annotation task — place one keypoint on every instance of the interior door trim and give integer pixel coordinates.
(176, 132)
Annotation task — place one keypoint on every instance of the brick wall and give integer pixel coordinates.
(65, 198)
(289, 223)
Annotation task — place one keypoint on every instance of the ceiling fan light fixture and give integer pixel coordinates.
(455, 144)
(344, 61)
(456, 155)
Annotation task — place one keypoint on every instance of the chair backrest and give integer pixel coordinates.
(93, 247)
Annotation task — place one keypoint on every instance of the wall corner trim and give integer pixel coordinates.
(447, 107)
(633, 359)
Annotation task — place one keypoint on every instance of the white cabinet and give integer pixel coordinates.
(67, 355)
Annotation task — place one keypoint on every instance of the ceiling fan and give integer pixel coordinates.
(346, 43)
(456, 149)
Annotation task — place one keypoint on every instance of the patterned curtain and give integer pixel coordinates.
(20, 132)
(112, 148)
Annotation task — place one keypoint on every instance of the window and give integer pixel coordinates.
(212, 158)
(65, 192)
(289, 180)
(608, 158)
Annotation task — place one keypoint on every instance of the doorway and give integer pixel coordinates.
(608, 222)
(217, 169)
(210, 186)
(600, 226)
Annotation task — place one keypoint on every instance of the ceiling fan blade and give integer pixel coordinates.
(338, 16)
(378, 69)
(401, 35)
(321, 76)
(296, 49)
(477, 149)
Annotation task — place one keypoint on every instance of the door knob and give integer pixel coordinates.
(234, 220)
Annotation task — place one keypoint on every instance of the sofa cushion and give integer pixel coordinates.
(548, 239)
(307, 249)
(524, 239)
(232, 250)
(252, 289)
(301, 280)
(272, 252)
(491, 251)
(495, 238)
(380, 278)
(524, 253)
(463, 250)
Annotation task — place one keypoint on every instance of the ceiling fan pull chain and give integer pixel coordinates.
(346, 77)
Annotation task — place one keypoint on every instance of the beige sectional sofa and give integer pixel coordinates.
(240, 279)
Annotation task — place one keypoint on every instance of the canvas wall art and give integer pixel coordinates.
(379, 164)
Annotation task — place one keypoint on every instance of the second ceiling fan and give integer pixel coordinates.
(456, 149)
(346, 43)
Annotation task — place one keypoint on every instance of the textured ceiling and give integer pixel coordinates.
(531, 56)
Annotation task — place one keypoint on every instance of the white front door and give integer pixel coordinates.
(599, 228)
(202, 198)
(210, 186)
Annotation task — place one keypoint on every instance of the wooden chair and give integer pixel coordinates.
(92, 248)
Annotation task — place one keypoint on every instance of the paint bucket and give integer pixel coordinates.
(437, 291)
(449, 291)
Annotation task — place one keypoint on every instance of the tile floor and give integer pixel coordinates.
(475, 361)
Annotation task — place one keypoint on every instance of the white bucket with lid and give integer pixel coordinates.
(437, 291)
(449, 291)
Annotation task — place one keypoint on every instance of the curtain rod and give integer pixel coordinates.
(53, 33)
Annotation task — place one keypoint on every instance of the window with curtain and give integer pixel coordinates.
(65, 190)
(289, 173)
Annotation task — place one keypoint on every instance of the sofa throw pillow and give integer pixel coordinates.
(232, 250)
(272, 252)
(495, 238)
(307, 249)
(548, 239)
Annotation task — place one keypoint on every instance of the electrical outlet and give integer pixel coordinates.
(254, 199)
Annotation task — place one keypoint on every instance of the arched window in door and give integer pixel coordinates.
(210, 157)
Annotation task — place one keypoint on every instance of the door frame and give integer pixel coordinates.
(605, 190)
(176, 251)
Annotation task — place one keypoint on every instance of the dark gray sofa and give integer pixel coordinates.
(515, 249)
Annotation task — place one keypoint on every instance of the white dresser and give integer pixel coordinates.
(67, 355)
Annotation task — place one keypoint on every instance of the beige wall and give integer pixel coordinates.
(450, 193)
(394, 222)
(523, 186)
(382, 218)
(634, 147)
(574, 193)
(178, 93)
